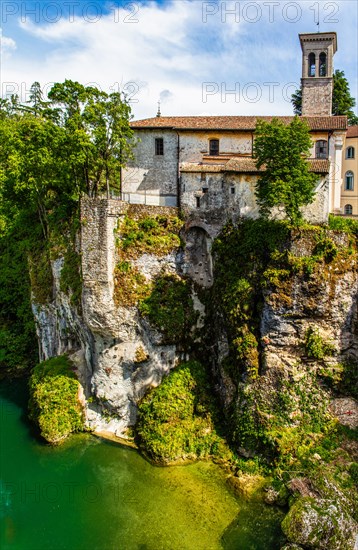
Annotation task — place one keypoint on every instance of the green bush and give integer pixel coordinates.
(176, 419)
(156, 235)
(315, 346)
(339, 223)
(247, 258)
(41, 275)
(54, 403)
(130, 285)
(325, 248)
(169, 308)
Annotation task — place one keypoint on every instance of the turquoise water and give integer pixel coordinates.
(94, 494)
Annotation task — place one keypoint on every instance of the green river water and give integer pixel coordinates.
(94, 494)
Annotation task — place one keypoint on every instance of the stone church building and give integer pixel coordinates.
(204, 164)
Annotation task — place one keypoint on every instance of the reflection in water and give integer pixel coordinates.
(91, 493)
(257, 527)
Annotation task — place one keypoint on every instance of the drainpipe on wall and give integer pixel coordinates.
(178, 173)
(331, 176)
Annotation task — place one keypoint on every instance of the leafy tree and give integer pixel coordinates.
(342, 101)
(99, 138)
(51, 153)
(281, 149)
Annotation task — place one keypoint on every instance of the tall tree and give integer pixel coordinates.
(342, 101)
(286, 181)
(99, 137)
(51, 153)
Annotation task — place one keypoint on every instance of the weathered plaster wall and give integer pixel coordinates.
(150, 178)
(193, 145)
(216, 197)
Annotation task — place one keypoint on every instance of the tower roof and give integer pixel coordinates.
(319, 37)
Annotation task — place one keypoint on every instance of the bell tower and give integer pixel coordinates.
(318, 50)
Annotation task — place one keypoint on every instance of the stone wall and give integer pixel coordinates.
(215, 198)
(317, 96)
(193, 145)
(151, 178)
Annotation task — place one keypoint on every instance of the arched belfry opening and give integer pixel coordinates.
(318, 50)
(322, 64)
(312, 64)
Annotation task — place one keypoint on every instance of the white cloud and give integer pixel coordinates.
(177, 48)
(6, 44)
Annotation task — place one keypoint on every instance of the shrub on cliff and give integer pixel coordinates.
(157, 235)
(54, 399)
(169, 307)
(176, 419)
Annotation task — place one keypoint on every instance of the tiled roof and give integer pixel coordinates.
(193, 167)
(319, 166)
(242, 165)
(245, 165)
(352, 132)
(235, 122)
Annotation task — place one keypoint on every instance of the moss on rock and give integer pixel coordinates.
(156, 235)
(169, 307)
(321, 524)
(177, 419)
(54, 399)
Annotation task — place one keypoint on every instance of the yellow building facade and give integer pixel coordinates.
(349, 192)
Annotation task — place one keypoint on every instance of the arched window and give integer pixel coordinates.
(322, 64)
(349, 181)
(311, 64)
(213, 147)
(350, 153)
(348, 210)
(321, 149)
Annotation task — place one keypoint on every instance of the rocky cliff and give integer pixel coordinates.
(119, 355)
(270, 312)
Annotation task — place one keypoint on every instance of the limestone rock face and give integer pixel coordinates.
(327, 301)
(320, 524)
(118, 354)
(61, 329)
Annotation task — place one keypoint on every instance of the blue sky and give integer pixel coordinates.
(197, 57)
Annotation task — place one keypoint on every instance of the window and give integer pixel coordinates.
(214, 147)
(348, 210)
(350, 153)
(311, 64)
(321, 149)
(205, 189)
(232, 190)
(159, 146)
(349, 183)
(197, 202)
(322, 64)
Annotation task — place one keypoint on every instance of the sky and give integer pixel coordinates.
(195, 57)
